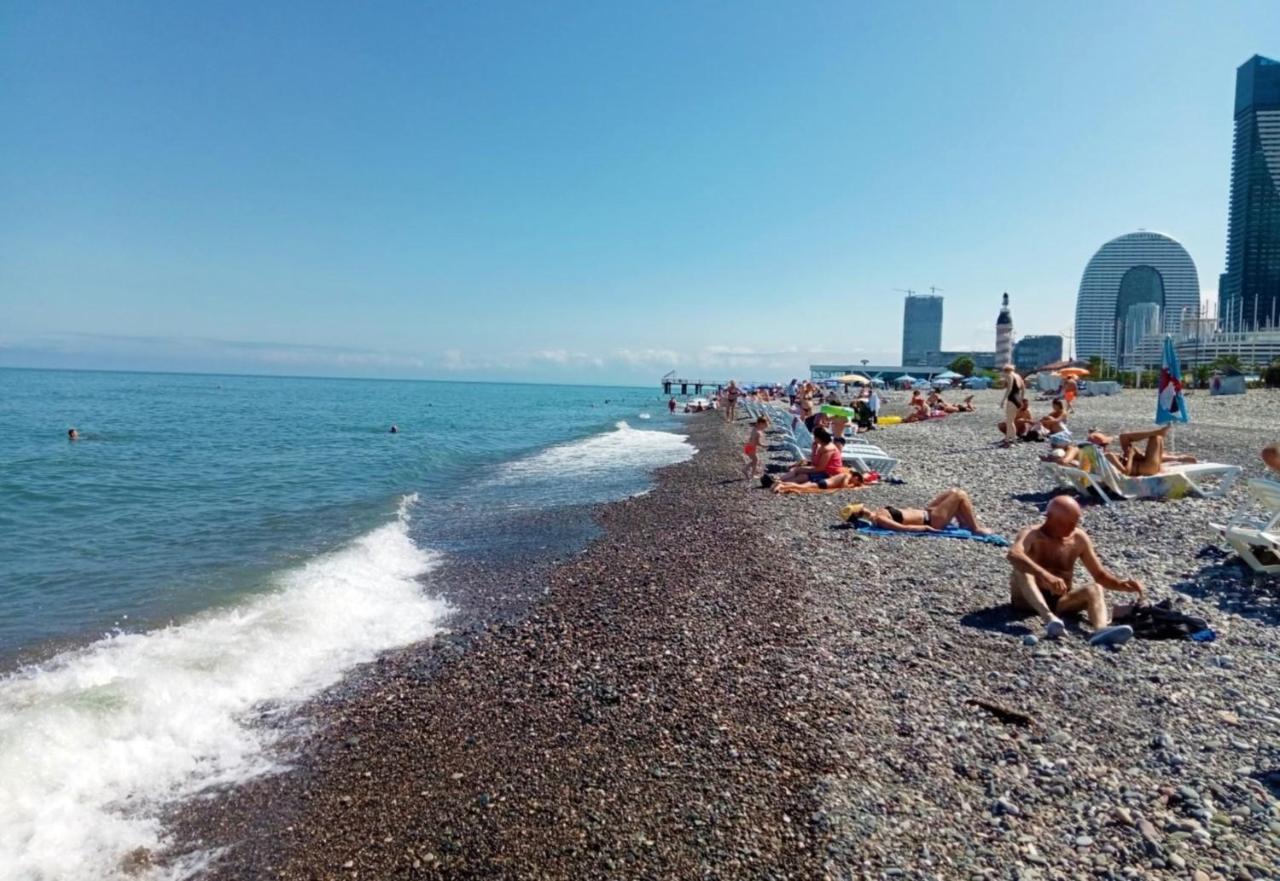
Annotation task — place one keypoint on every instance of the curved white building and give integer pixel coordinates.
(1140, 267)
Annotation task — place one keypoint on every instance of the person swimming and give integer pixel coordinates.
(72, 434)
(394, 430)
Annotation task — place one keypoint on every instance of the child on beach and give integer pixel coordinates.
(752, 448)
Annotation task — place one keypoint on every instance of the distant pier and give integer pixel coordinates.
(671, 382)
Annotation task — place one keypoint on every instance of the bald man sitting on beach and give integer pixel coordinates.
(1044, 559)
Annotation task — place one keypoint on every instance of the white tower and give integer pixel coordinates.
(1004, 335)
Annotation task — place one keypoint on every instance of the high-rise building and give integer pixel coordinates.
(1249, 290)
(1034, 351)
(1141, 323)
(1138, 267)
(1004, 335)
(921, 328)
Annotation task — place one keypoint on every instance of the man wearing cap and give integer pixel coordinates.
(1015, 395)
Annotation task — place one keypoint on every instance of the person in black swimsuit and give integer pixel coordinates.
(950, 505)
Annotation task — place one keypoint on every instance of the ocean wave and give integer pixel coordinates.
(625, 450)
(94, 743)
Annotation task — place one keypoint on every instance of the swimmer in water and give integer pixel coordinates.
(72, 434)
(394, 430)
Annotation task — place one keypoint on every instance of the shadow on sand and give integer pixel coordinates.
(999, 619)
(1235, 588)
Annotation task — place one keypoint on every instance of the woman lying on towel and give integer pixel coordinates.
(951, 505)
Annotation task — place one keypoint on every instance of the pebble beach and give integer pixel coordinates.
(731, 684)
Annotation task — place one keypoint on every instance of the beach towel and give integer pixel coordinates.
(950, 532)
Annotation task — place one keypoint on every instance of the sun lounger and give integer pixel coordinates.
(1097, 476)
(863, 458)
(1257, 538)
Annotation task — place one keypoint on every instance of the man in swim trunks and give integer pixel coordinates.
(1044, 558)
(949, 505)
(1069, 389)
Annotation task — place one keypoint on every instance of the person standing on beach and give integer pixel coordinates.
(1069, 390)
(731, 395)
(1015, 396)
(1044, 559)
(751, 450)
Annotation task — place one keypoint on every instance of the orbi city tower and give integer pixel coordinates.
(1004, 335)
(1249, 291)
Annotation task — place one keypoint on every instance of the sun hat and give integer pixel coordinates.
(849, 512)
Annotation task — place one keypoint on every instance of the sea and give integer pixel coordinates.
(216, 550)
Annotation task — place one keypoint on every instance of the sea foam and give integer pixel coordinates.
(96, 742)
(624, 450)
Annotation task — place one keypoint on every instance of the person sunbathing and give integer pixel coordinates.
(965, 406)
(937, 402)
(825, 461)
(1055, 422)
(1044, 558)
(952, 505)
(1150, 461)
(846, 479)
(920, 413)
(1021, 421)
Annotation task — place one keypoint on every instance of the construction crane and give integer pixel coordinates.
(907, 291)
(934, 290)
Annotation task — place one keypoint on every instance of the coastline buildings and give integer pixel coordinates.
(1033, 351)
(1121, 281)
(1004, 335)
(1249, 289)
(921, 328)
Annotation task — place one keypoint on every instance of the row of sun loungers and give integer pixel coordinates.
(860, 454)
(1255, 537)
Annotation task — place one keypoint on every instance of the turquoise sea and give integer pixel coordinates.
(214, 549)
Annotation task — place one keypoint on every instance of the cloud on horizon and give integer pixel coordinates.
(201, 354)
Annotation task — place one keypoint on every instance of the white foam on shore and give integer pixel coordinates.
(623, 450)
(94, 743)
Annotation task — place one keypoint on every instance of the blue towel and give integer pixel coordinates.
(950, 532)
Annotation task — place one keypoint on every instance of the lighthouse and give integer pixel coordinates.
(1004, 335)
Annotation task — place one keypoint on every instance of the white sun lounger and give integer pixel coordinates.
(1257, 538)
(1204, 480)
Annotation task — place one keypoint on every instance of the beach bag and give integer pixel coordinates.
(1162, 621)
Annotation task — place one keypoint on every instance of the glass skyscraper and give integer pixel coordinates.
(921, 328)
(1249, 290)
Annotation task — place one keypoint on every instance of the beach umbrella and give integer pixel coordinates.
(1073, 372)
(948, 374)
(1170, 405)
(852, 378)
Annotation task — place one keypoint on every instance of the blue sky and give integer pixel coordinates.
(587, 191)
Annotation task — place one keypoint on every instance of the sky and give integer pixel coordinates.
(588, 192)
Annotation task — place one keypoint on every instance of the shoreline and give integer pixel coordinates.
(726, 683)
(571, 733)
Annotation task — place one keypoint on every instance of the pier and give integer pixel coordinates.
(671, 382)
